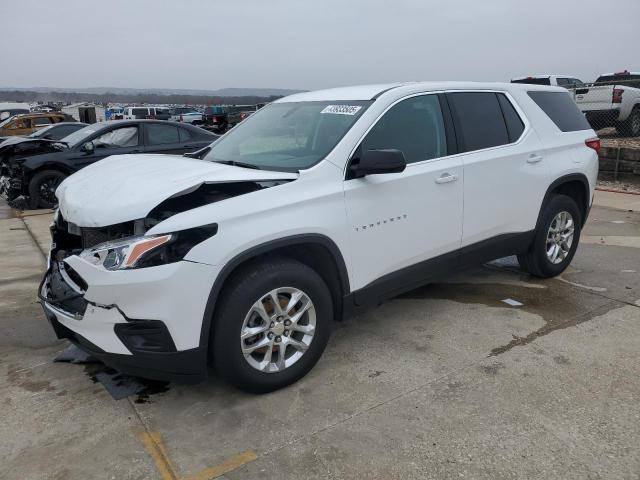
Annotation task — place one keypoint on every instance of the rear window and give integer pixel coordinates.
(562, 110)
(617, 78)
(214, 110)
(630, 80)
(478, 119)
(533, 81)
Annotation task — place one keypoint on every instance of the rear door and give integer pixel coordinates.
(162, 138)
(398, 221)
(505, 176)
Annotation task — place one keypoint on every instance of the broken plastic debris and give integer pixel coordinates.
(512, 302)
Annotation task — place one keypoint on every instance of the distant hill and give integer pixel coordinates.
(223, 92)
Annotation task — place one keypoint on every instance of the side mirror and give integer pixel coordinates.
(88, 147)
(373, 162)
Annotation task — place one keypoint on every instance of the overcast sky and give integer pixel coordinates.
(309, 44)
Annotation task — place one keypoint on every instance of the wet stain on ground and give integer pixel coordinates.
(119, 385)
(492, 369)
(561, 360)
(23, 378)
(122, 386)
(559, 305)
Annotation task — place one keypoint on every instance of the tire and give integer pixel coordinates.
(631, 126)
(42, 188)
(539, 259)
(250, 287)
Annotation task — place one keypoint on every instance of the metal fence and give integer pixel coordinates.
(612, 107)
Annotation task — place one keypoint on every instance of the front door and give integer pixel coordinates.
(403, 225)
(116, 141)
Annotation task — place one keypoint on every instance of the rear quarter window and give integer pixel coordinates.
(561, 109)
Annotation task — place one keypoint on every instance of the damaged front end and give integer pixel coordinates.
(11, 180)
(101, 292)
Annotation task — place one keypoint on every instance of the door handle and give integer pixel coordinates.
(533, 158)
(446, 178)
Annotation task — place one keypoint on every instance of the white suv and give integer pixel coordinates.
(317, 206)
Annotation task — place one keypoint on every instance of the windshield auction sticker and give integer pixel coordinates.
(341, 109)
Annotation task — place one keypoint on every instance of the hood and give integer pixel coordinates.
(17, 139)
(25, 146)
(127, 187)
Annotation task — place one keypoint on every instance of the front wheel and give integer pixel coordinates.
(42, 188)
(273, 324)
(556, 238)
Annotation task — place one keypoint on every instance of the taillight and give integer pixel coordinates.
(593, 143)
(617, 95)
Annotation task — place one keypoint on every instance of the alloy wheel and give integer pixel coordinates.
(278, 329)
(560, 237)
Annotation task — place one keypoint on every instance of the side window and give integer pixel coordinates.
(162, 134)
(478, 119)
(563, 82)
(20, 123)
(120, 137)
(515, 126)
(38, 121)
(415, 126)
(140, 112)
(185, 135)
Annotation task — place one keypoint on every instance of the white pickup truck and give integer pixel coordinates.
(612, 101)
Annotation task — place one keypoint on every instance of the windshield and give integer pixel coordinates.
(288, 136)
(41, 132)
(77, 137)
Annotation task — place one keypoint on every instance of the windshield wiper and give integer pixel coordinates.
(233, 163)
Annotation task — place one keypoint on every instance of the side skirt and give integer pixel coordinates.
(414, 276)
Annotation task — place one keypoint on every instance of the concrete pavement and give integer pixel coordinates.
(447, 381)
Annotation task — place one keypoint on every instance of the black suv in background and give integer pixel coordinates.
(221, 118)
(37, 176)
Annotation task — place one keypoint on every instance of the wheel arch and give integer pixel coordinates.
(315, 250)
(574, 185)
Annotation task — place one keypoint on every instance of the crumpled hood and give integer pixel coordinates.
(127, 187)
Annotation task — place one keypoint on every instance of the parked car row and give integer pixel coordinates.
(34, 167)
(613, 100)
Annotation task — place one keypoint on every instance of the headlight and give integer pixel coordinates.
(147, 251)
(123, 253)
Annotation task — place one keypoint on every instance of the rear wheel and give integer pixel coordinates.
(42, 188)
(631, 126)
(273, 324)
(556, 239)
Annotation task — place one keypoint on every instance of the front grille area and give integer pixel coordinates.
(93, 236)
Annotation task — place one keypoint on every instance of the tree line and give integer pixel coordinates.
(147, 98)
